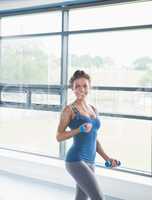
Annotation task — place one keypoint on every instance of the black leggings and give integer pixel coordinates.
(87, 186)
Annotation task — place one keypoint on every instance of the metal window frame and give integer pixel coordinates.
(64, 69)
(62, 89)
(67, 4)
(28, 90)
(0, 52)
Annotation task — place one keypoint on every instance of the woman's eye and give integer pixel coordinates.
(77, 86)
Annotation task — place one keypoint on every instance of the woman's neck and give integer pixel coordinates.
(81, 102)
(84, 107)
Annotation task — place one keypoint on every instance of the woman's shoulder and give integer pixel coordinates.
(71, 110)
(66, 113)
(67, 109)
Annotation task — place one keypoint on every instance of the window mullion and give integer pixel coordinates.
(64, 69)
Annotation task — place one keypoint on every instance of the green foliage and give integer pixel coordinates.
(28, 62)
(86, 61)
(143, 63)
(23, 64)
(146, 80)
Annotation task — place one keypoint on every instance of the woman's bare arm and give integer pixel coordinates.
(65, 118)
(101, 152)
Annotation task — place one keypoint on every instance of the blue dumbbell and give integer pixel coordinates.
(108, 163)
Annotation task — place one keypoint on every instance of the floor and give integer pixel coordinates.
(14, 187)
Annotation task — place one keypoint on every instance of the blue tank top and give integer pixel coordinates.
(84, 144)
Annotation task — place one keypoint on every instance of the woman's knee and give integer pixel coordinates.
(80, 194)
(97, 196)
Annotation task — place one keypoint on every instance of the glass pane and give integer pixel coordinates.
(128, 140)
(121, 58)
(29, 130)
(123, 102)
(31, 60)
(31, 23)
(111, 16)
(46, 99)
(13, 97)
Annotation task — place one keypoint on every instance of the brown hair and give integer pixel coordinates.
(79, 74)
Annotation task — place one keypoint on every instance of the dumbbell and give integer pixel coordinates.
(108, 163)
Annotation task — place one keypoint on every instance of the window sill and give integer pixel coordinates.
(114, 183)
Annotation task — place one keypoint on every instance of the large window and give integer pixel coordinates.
(113, 47)
(30, 76)
(113, 44)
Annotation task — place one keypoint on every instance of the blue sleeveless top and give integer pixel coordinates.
(84, 144)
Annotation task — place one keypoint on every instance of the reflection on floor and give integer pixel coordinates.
(14, 187)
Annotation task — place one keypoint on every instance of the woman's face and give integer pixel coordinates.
(81, 88)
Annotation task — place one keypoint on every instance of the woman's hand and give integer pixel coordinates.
(86, 128)
(114, 162)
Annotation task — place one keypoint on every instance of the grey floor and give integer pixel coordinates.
(14, 187)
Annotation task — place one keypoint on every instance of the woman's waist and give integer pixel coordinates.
(83, 147)
(76, 154)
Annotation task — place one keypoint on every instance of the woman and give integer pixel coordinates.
(83, 121)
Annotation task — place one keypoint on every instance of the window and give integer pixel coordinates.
(29, 131)
(31, 60)
(115, 51)
(129, 140)
(108, 16)
(46, 99)
(113, 44)
(30, 76)
(120, 58)
(31, 24)
(13, 97)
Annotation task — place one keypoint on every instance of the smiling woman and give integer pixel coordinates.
(84, 123)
